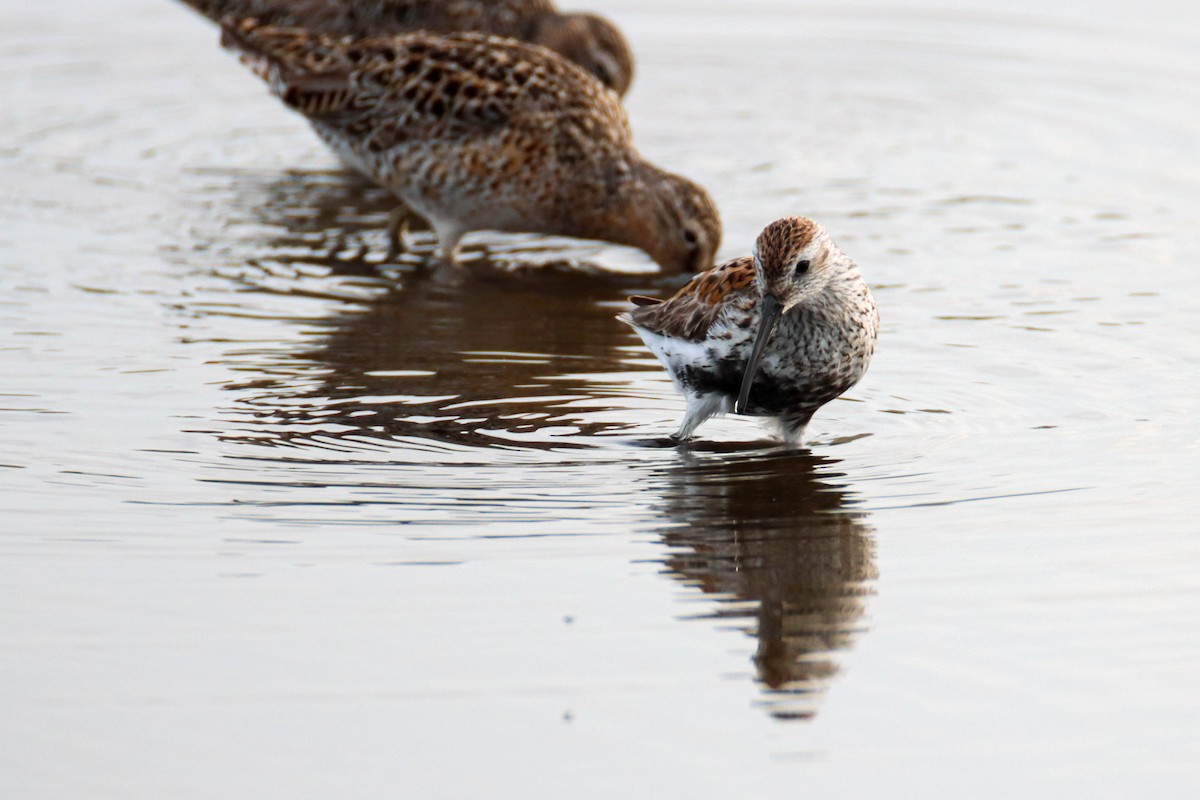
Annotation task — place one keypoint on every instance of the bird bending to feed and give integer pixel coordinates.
(474, 132)
(777, 334)
(590, 41)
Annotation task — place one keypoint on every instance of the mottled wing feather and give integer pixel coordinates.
(698, 305)
(287, 57)
(419, 85)
(493, 15)
(380, 17)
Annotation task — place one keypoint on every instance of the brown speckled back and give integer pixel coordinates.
(694, 308)
(593, 42)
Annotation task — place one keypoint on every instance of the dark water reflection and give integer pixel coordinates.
(441, 360)
(479, 355)
(777, 541)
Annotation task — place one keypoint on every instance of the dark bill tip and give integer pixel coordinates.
(768, 316)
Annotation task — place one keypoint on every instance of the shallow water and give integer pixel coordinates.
(281, 519)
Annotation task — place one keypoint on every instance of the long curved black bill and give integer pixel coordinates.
(768, 317)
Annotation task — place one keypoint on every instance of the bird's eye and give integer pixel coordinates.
(802, 266)
(689, 237)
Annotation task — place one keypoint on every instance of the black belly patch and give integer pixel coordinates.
(769, 396)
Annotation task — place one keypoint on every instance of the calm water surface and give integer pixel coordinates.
(280, 519)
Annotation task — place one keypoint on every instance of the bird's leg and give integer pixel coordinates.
(792, 427)
(447, 251)
(397, 229)
(700, 407)
(339, 244)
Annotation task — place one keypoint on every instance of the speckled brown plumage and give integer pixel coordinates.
(778, 334)
(693, 310)
(475, 132)
(590, 41)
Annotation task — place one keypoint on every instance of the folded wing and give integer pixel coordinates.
(420, 85)
(699, 304)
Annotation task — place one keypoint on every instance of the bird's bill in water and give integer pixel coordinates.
(768, 318)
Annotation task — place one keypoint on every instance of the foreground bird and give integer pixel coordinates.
(474, 132)
(590, 41)
(778, 334)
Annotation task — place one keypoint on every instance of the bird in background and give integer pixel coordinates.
(474, 132)
(590, 41)
(777, 334)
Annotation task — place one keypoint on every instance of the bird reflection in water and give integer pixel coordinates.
(486, 355)
(776, 541)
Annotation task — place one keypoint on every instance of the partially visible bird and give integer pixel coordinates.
(590, 41)
(777, 334)
(474, 132)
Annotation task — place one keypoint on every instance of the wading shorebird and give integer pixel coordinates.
(475, 132)
(777, 334)
(590, 41)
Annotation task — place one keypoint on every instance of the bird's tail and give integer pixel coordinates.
(308, 72)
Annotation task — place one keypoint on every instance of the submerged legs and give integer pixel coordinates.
(397, 228)
(700, 407)
(791, 429)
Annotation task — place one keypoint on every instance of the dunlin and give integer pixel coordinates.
(590, 41)
(475, 132)
(777, 334)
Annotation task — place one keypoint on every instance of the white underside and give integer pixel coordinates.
(677, 355)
